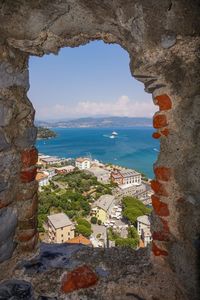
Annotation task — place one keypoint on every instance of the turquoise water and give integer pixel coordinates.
(134, 147)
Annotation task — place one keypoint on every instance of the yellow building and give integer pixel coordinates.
(102, 207)
(60, 228)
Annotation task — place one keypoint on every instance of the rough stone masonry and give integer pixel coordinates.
(162, 39)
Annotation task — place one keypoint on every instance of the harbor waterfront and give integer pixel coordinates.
(132, 147)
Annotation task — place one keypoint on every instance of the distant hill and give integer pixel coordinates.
(101, 122)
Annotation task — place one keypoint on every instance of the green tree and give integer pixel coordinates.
(99, 222)
(133, 208)
(81, 229)
(93, 220)
(81, 221)
(127, 242)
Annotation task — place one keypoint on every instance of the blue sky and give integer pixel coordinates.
(90, 80)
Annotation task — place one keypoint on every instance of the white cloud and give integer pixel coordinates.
(121, 107)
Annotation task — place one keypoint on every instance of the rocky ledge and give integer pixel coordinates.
(67, 271)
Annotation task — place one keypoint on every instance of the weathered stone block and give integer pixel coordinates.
(3, 186)
(27, 138)
(5, 114)
(29, 157)
(25, 235)
(4, 143)
(28, 208)
(27, 191)
(168, 39)
(158, 251)
(81, 277)
(30, 244)
(8, 223)
(6, 249)
(16, 289)
(28, 175)
(28, 224)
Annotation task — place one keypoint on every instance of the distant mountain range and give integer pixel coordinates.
(101, 122)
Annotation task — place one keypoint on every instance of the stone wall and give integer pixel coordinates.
(162, 39)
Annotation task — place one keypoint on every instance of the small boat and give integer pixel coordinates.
(114, 133)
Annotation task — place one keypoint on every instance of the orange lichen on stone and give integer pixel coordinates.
(29, 157)
(157, 251)
(158, 188)
(162, 173)
(156, 135)
(165, 132)
(28, 175)
(160, 208)
(159, 121)
(164, 102)
(81, 277)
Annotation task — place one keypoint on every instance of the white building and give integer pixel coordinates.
(49, 160)
(50, 172)
(82, 163)
(43, 179)
(143, 229)
(146, 236)
(101, 174)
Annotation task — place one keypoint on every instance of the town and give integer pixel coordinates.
(85, 201)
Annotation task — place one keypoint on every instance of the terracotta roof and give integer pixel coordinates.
(80, 240)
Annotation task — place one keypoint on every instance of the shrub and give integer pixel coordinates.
(81, 229)
(99, 222)
(83, 222)
(93, 220)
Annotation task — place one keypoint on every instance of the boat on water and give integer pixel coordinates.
(114, 133)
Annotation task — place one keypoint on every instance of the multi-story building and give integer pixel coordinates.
(65, 169)
(126, 176)
(102, 208)
(82, 163)
(60, 228)
(101, 174)
(47, 160)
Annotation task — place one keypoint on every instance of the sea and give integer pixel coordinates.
(133, 147)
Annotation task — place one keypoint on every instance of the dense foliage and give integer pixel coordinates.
(54, 200)
(86, 183)
(133, 208)
(131, 241)
(45, 133)
(71, 194)
(83, 227)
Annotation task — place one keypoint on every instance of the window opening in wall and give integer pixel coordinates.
(95, 147)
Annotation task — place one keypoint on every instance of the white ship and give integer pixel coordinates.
(113, 135)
